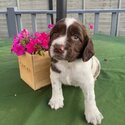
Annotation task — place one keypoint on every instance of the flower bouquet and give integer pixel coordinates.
(33, 58)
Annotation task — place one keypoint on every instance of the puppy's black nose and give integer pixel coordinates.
(58, 48)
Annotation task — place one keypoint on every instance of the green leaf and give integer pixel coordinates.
(24, 41)
(40, 52)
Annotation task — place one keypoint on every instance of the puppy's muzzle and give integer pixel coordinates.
(58, 49)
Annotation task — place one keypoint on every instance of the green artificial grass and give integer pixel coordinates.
(20, 105)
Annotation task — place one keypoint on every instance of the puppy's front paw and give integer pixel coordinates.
(93, 115)
(56, 103)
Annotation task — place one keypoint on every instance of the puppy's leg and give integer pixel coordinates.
(56, 100)
(92, 113)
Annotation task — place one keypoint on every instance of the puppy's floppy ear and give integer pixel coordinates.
(88, 51)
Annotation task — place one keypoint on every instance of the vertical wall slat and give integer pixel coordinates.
(34, 23)
(118, 16)
(49, 21)
(50, 6)
(83, 7)
(19, 22)
(11, 22)
(114, 24)
(61, 9)
(96, 23)
(80, 17)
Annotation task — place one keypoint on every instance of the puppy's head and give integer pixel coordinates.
(69, 41)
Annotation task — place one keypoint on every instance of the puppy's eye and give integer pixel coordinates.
(75, 37)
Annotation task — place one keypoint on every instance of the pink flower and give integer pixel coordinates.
(91, 26)
(44, 44)
(37, 34)
(50, 26)
(30, 47)
(24, 42)
(45, 40)
(18, 49)
(16, 40)
(24, 33)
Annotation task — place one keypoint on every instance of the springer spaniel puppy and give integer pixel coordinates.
(73, 63)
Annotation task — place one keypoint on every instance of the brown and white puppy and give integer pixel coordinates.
(73, 63)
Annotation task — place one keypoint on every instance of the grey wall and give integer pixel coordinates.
(104, 22)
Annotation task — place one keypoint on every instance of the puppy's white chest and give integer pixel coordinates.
(65, 75)
(70, 73)
(66, 80)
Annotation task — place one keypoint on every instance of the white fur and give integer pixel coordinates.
(60, 41)
(69, 21)
(76, 73)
